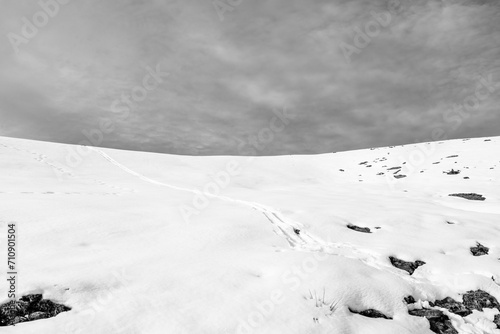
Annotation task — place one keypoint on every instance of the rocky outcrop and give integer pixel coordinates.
(359, 229)
(371, 313)
(439, 322)
(410, 267)
(469, 196)
(472, 300)
(29, 308)
(479, 250)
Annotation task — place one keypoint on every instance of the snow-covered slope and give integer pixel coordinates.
(150, 243)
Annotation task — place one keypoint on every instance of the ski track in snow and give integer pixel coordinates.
(282, 226)
(285, 228)
(61, 170)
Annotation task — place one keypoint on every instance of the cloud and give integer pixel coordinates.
(226, 77)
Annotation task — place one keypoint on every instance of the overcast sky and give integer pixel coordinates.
(233, 64)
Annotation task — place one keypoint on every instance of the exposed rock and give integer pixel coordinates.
(410, 300)
(439, 322)
(29, 308)
(453, 306)
(399, 176)
(359, 229)
(38, 315)
(18, 320)
(392, 168)
(371, 313)
(410, 267)
(479, 299)
(31, 299)
(452, 172)
(497, 321)
(453, 156)
(479, 250)
(469, 196)
(472, 300)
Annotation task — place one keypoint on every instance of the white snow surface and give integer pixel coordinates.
(130, 241)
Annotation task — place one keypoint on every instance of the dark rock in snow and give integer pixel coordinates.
(410, 267)
(479, 299)
(31, 299)
(371, 313)
(399, 176)
(479, 250)
(439, 322)
(469, 196)
(497, 321)
(472, 300)
(359, 229)
(38, 315)
(29, 308)
(453, 306)
(410, 300)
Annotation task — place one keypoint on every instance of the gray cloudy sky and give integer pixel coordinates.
(230, 63)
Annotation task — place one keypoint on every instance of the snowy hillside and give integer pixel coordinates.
(149, 243)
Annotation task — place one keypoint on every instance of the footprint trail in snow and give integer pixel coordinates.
(302, 241)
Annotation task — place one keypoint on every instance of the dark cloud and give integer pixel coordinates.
(225, 78)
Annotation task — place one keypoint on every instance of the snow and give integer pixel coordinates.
(130, 241)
